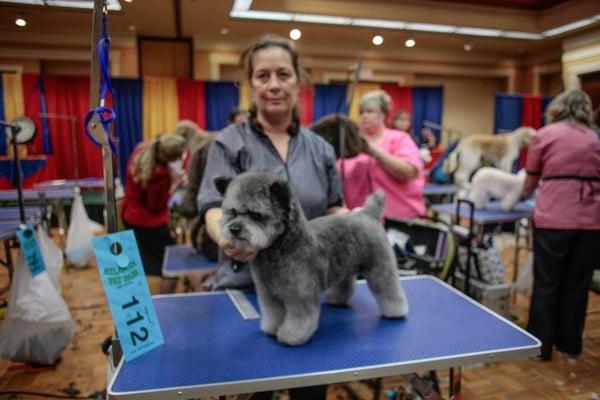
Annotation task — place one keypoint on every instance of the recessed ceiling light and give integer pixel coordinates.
(128, 1)
(20, 20)
(131, 27)
(295, 34)
(377, 40)
(224, 31)
(410, 42)
(468, 46)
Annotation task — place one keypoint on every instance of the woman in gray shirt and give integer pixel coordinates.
(272, 140)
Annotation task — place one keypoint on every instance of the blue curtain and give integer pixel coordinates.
(545, 102)
(220, 99)
(507, 112)
(127, 102)
(329, 99)
(2, 130)
(428, 105)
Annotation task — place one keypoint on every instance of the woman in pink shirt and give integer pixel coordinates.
(391, 162)
(565, 157)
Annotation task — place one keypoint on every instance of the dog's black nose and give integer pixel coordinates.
(235, 230)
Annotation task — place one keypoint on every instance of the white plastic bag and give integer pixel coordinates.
(79, 249)
(524, 282)
(38, 325)
(52, 255)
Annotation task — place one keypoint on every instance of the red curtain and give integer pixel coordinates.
(401, 98)
(530, 116)
(191, 101)
(307, 94)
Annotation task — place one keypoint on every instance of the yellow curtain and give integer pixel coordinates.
(361, 89)
(245, 97)
(13, 104)
(161, 108)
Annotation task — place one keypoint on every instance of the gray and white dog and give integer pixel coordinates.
(298, 260)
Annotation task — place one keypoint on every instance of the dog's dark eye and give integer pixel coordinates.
(256, 216)
(232, 213)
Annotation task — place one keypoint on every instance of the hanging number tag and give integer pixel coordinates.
(127, 292)
(30, 247)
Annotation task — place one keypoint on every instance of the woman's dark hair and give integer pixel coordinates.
(264, 42)
(235, 112)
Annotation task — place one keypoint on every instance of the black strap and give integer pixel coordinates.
(575, 177)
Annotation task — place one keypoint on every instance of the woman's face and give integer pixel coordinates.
(274, 83)
(372, 120)
(402, 122)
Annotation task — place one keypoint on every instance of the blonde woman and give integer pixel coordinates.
(565, 157)
(144, 208)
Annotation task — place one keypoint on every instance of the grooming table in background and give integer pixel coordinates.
(492, 214)
(83, 184)
(210, 350)
(181, 259)
(445, 192)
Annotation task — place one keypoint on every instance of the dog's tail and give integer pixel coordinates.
(374, 204)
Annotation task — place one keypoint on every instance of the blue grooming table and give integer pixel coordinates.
(12, 214)
(436, 189)
(492, 214)
(182, 259)
(210, 350)
(83, 184)
(31, 195)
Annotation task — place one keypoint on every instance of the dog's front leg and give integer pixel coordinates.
(301, 321)
(272, 310)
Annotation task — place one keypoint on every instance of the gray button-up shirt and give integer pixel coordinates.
(310, 168)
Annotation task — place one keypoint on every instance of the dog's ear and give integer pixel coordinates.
(281, 193)
(221, 182)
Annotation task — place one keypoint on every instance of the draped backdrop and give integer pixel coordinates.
(150, 106)
(515, 110)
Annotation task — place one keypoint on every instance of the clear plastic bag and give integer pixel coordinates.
(52, 255)
(79, 249)
(38, 325)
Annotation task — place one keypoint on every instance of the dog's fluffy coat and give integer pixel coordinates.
(502, 150)
(491, 183)
(298, 259)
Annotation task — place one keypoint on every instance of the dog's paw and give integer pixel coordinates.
(268, 327)
(395, 310)
(291, 337)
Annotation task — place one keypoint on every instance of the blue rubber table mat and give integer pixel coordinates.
(435, 189)
(33, 194)
(83, 183)
(210, 350)
(491, 214)
(13, 213)
(181, 259)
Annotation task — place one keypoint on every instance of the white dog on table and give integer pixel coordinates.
(494, 183)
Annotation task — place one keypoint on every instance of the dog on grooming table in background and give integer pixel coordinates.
(492, 183)
(501, 150)
(298, 260)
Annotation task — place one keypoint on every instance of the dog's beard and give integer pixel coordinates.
(252, 237)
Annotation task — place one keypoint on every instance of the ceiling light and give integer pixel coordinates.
(414, 26)
(295, 34)
(322, 19)
(522, 35)
(224, 31)
(377, 40)
(20, 20)
(569, 27)
(242, 5)
(131, 27)
(468, 46)
(128, 1)
(112, 5)
(465, 30)
(265, 15)
(410, 42)
(378, 23)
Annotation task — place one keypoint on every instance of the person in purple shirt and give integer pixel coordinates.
(564, 160)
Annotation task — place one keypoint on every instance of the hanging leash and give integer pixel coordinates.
(97, 121)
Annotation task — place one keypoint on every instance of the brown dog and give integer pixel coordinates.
(501, 150)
